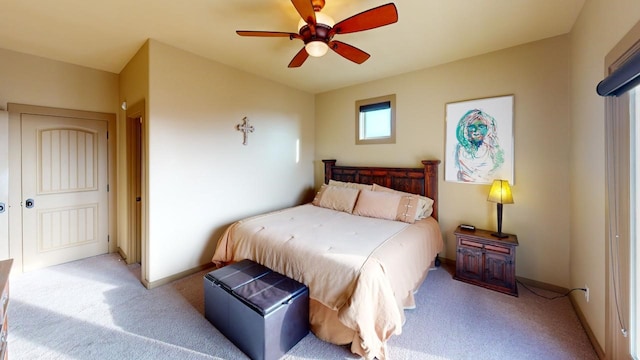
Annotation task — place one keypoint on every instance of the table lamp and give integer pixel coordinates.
(500, 193)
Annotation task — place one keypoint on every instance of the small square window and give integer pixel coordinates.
(375, 120)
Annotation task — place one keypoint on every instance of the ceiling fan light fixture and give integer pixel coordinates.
(316, 48)
(317, 45)
(317, 30)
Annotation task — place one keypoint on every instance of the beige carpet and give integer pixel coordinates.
(97, 309)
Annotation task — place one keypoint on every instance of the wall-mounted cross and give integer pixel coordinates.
(246, 129)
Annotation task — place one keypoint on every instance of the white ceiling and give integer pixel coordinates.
(105, 34)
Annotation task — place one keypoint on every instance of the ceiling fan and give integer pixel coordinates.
(317, 30)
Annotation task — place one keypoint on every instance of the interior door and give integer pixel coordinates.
(4, 185)
(137, 180)
(64, 189)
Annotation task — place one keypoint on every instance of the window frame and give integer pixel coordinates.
(634, 242)
(391, 139)
(621, 311)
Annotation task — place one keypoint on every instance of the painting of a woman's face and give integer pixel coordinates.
(476, 132)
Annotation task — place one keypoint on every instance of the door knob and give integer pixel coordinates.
(2, 207)
(29, 203)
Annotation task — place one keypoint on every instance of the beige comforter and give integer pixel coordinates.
(361, 272)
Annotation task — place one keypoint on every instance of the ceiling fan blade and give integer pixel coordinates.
(305, 9)
(366, 20)
(268, 34)
(349, 52)
(299, 59)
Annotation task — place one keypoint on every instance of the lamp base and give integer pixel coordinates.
(500, 235)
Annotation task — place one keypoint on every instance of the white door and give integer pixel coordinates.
(64, 189)
(4, 185)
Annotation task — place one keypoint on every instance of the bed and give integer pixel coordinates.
(363, 247)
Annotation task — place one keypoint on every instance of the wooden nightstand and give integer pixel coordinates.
(485, 260)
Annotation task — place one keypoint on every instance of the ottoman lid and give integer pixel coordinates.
(237, 274)
(267, 293)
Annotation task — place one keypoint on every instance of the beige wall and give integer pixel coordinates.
(537, 74)
(201, 178)
(33, 80)
(602, 23)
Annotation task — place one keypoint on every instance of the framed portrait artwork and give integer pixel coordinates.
(479, 140)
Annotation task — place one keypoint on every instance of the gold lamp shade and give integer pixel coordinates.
(500, 192)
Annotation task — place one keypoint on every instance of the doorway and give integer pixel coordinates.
(135, 181)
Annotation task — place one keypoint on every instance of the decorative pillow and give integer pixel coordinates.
(425, 204)
(386, 205)
(350, 185)
(408, 209)
(336, 198)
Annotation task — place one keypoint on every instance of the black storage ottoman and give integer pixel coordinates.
(262, 312)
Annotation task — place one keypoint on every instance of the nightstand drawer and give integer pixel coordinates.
(489, 246)
(470, 243)
(498, 249)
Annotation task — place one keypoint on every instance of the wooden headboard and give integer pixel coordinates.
(421, 181)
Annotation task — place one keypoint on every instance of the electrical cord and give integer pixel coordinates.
(549, 297)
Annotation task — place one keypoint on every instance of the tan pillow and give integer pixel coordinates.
(425, 204)
(386, 205)
(336, 198)
(350, 185)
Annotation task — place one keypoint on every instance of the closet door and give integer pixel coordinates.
(4, 185)
(64, 189)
